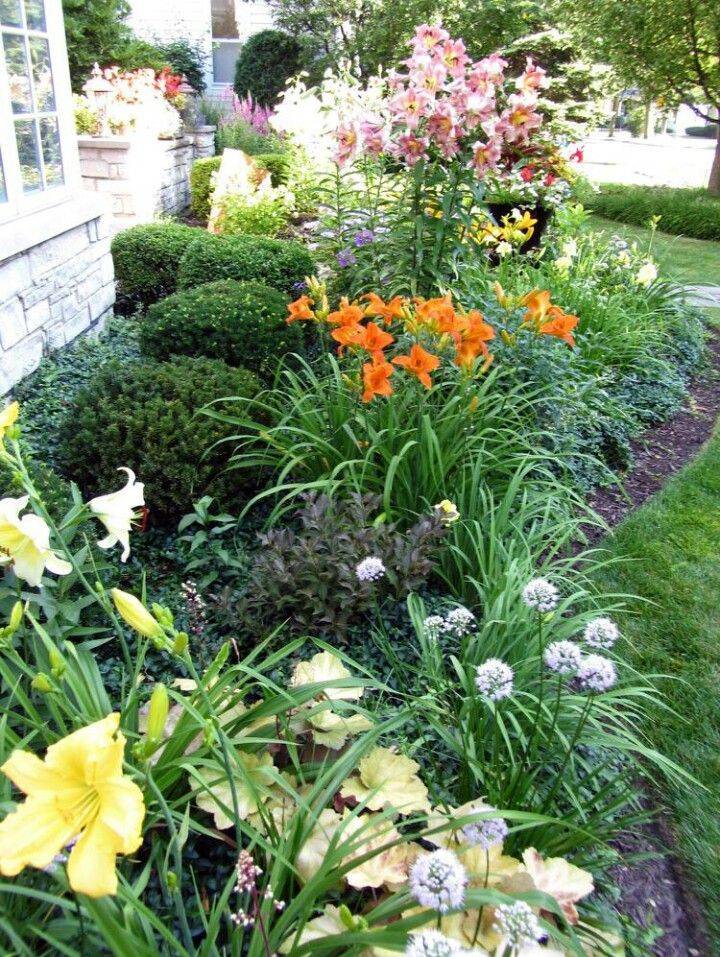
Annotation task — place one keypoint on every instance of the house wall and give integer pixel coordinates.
(143, 178)
(52, 291)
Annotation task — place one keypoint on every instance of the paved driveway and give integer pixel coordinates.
(666, 160)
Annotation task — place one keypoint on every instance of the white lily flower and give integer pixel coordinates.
(25, 543)
(117, 510)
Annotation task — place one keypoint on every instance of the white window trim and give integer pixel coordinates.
(23, 204)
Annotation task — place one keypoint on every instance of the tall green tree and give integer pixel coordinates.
(669, 48)
(95, 30)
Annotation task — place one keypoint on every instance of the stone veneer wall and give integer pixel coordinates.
(143, 178)
(51, 292)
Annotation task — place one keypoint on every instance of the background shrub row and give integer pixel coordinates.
(685, 212)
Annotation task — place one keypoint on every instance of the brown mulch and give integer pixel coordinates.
(654, 889)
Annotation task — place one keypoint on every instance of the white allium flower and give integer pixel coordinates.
(370, 569)
(433, 625)
(517, 923)
(494, 679)
(596, 673)
(563, 657)
(601, 633)
(438, 880)
(541, 595)
(432, 943)
(487, 833)
(459, 621)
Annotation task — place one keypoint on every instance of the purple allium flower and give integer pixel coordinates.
(518, 924)
(563, 657)
(345, 258)
(596, 673)
(494, 679)
(486, 834)
(432, 943)
(364, 237)
(459, 621)
(370, 569)
(438, 880)
(601, 633)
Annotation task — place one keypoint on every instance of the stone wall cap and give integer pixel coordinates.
(105, 142)
(29, 231)
(204, 129)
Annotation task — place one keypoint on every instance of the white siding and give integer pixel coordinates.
(165, 20)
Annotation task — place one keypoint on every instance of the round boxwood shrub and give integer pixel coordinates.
(242, 323)
(143, 415)
(201, 176)
(277, 164)
(147, 258)
(267, 60)
(277, 262)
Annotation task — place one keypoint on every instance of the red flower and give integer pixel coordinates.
(527, 173)
(577, 156)
(549, 179)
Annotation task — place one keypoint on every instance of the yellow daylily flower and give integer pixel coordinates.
(25, 543)
(8, 417)
(134, 613)
(253, 788)
(446, 511)
(117, 512)
(78, 792)
(325, 666)
(386, 779)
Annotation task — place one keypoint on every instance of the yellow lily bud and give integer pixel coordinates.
(134, 613)
(41, 683)
(180, 644)
(15, 617)
(8, 418)
(157, 714)
(58, 665)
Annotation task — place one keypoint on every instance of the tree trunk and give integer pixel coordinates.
(647, 119)
(714, 182)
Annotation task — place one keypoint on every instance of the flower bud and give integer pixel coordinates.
(163, 615)
(58, 665)
(42, 683)
(13, 622)
(134, 613)
(172, 881)
(157, 714)
(180, 645)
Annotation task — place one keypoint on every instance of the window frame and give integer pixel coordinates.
(19, 203)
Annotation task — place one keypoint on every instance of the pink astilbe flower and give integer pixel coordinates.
(247, 109)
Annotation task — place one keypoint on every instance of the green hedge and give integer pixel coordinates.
(276, 262)
(147, 259)
(267, 61)
(201, 175)
(144, 415)
(242, 323)
(684, 212)
(277, 164)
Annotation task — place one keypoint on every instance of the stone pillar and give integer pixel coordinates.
(203, 141)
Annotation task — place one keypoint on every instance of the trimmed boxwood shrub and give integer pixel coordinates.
(147, 258)
(277, 164)
(277, 262)
(201, 175)
(267, 60)
(242, 323)
(143, 415)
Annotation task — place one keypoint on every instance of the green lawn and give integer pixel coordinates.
(673, 548)
(682, 259)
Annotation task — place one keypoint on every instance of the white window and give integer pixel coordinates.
(38, 157)
(225, 39)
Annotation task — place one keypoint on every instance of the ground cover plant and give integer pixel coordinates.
(373, 696)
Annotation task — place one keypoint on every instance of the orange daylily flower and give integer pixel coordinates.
(437, 313)
(346, 315)
(376, 376)
(373, 338)
(538, 303)
(350, 335)
(300, 309)
(560, 325)
(474, 335)
(376, 306)
(419, 363)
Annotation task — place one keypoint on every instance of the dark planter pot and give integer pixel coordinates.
(542, 214)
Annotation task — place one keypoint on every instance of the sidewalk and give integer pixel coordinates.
(662, 160)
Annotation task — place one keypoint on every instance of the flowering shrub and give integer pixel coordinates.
(137, 101)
